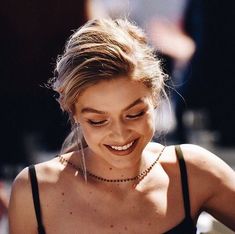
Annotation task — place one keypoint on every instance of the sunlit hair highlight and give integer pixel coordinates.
(101, 50)
(105, 49)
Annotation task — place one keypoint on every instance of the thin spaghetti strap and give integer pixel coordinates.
(184, 181)
(36, 200)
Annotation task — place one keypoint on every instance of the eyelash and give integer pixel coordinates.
(136, 115)
(101, 123)
(97, 124)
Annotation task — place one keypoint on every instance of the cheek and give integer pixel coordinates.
(91, 135)
(150, 126)
(146, 126)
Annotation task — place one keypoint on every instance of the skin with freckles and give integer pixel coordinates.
(128, 119)
(69, 205)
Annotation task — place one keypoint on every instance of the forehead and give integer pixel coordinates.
(117, 93)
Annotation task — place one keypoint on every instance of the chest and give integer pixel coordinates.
(67, 211)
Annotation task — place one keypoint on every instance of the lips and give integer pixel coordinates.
(122, 149)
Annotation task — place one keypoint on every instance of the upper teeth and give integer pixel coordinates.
(124, 147)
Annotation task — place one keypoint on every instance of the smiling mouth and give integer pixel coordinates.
(126, 149)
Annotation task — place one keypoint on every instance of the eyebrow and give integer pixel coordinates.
(92, 110)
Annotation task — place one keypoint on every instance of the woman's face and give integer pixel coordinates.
(117, 119)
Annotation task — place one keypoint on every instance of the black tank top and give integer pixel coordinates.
(185, 227)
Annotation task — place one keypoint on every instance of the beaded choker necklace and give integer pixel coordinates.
(138, 177)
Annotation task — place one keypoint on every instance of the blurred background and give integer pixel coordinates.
(194, 39)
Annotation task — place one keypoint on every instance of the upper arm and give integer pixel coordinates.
(217, 179)
(21, 210)
(222, 202)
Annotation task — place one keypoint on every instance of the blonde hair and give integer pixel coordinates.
(105, 49)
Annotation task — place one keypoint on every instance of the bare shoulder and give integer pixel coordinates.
(203, 160)
(154, 147)
(21, 209)
(206, 167)
(211, 181)
(21, 206)
(216, 181)
(196, 158)
(46, 172)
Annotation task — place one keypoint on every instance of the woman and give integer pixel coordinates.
(110, 178)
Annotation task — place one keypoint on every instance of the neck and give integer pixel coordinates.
(115, 170)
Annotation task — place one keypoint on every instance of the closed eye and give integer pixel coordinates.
(96, 123)
(137, 115)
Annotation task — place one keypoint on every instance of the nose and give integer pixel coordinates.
(119, 132)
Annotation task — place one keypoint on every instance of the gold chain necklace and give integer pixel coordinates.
(138, 177)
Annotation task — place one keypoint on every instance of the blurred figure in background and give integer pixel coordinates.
(4, 200)
(33, 33)
(210, 84)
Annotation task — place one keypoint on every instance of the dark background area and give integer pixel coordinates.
(33, 33)
(211, 74)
